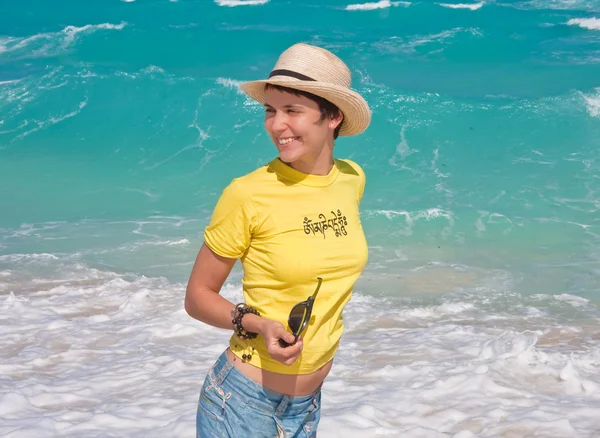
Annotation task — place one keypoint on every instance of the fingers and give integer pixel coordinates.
(286, 355)
(275, 332)
(289, 355)
(282, 333)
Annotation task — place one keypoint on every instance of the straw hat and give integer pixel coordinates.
(320, 72)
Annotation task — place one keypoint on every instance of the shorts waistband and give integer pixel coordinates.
(254, 393)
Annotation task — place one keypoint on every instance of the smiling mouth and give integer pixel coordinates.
(286, 140)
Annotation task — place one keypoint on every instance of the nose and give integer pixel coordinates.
(279, 122)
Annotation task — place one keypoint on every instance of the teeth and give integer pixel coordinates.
(286, 140)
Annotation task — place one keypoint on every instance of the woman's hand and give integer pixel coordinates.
(272, 332)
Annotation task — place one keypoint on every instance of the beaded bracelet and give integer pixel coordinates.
(237, 314)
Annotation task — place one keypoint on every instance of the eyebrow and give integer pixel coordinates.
(291, 105)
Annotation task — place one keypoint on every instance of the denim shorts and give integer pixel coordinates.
(232, 405)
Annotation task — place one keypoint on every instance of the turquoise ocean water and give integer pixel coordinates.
(121, 122)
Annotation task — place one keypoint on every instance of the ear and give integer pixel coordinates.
(335, 121)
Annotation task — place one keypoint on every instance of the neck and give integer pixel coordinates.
(315, 165)
(313, 169)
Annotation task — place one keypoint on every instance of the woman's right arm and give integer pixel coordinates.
(202, 298)
(204, 303)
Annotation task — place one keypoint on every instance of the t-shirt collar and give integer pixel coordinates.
(306, 179)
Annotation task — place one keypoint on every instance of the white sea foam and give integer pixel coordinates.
(51, 43)
(572, 299)
(20, 258)
(231, 84)
(232, 3)
(151, 69)
(137, 245)
(28, 229)
(593, 103)
(499, 220)
(414, 42)
(71, 32)
(403, 150)
(582, 5)
(390, 214)
(430, 213)
(585, 23)
(435, 312)
(52, 121)
(410, 219)
(22, 125)
(471, 6)
(100, 353)
(383, 4)
(433, 213)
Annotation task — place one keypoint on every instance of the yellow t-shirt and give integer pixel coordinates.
(288, 228)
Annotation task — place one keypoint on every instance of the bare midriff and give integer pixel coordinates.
(296, 385)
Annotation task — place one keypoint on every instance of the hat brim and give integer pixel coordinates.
(357, 115)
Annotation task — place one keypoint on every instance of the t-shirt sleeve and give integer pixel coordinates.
(363, 180)
(232, 223)
(361, 177)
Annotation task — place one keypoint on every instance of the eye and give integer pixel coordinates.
(269, 110)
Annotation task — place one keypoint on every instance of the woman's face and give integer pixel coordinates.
(295, 126)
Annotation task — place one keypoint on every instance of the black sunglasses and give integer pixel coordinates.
(300, 316)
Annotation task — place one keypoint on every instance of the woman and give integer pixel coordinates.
(294, 224)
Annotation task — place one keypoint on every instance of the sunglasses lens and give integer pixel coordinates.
(296, 319)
